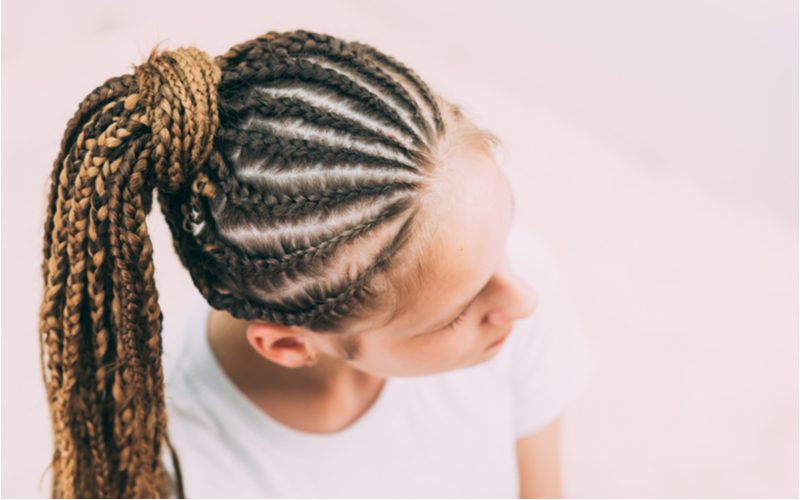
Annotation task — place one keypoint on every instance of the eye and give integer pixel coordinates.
(456, 321)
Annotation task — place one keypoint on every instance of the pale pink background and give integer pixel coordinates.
(653, 144)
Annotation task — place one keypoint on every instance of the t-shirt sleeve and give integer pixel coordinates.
(552, 359)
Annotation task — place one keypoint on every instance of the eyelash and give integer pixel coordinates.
(456, 321)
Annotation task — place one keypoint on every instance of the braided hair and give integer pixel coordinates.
(289, 170)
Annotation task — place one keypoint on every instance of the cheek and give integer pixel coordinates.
(437, 352)
(445, 349)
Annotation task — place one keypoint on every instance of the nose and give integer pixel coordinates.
(520, 301)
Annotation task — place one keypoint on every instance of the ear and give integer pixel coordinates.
(287, 346)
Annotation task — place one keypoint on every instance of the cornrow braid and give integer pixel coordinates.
(290, 171)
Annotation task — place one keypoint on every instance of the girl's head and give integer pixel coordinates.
(455, 262)
(314, 187)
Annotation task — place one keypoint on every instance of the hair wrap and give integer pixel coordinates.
(179, 90)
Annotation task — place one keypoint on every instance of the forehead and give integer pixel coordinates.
(461, 231)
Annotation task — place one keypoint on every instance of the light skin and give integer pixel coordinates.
(539, 462)
(289, 370)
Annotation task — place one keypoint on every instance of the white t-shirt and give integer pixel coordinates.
(444, 435)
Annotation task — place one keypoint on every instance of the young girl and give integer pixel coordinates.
(371, 323)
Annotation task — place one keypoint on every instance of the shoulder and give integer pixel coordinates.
(194, 404)
(187, 381)
(182, 331)
(549, 354)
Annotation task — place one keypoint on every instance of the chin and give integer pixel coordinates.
(483, 357)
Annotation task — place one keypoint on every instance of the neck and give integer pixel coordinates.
(329, 379)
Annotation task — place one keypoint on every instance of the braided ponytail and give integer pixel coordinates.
(289, 170)
(100, 318)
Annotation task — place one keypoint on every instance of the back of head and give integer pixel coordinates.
(290, 170)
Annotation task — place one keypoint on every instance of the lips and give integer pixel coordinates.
(500, 340)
